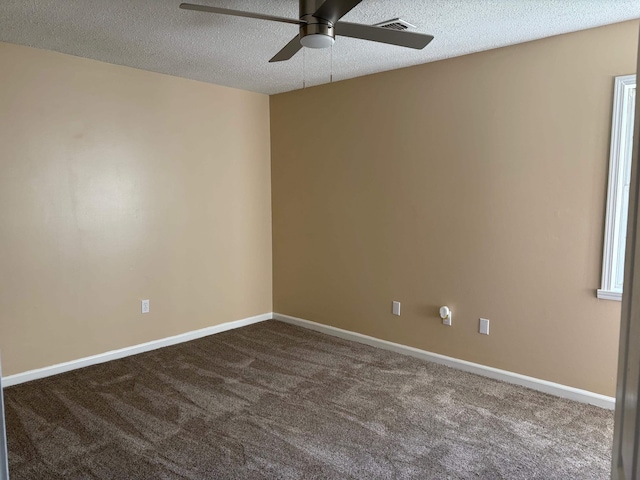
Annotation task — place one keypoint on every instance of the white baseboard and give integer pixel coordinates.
(545, 386)
(127, 351)
(551, 388)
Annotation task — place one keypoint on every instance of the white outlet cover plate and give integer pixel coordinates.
(145, 306)
(396, 308)
(484, 326)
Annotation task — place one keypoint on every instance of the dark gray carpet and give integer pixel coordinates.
(281, 402)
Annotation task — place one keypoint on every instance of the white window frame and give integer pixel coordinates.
(621, 137)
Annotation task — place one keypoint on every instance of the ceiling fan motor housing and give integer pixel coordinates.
(317, 32)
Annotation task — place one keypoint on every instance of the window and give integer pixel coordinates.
(624, 101)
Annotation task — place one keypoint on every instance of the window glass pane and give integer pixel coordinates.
(619, 266)
(621, 222)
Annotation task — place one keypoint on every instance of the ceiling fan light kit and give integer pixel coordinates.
(317, 35)
(319, 24)
(316, 32)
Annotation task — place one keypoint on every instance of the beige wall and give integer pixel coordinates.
(477, 182)
(118, 185)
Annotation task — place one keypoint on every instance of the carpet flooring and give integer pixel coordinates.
(274, 401)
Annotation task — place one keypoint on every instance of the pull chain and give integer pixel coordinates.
(331, 70)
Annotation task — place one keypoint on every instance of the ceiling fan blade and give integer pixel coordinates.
(334, 10)
(383, 35)
(289, 50)
(239, 13)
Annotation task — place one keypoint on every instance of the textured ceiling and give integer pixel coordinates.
(156, 35)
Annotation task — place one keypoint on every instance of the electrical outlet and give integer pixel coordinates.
(396, 308)
(145, 306)
(484, 326)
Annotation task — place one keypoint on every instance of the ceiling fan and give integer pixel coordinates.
(319, 24)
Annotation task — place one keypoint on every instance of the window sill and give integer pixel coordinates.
(608, 295)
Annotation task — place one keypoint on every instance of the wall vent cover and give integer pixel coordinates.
(395, 24)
